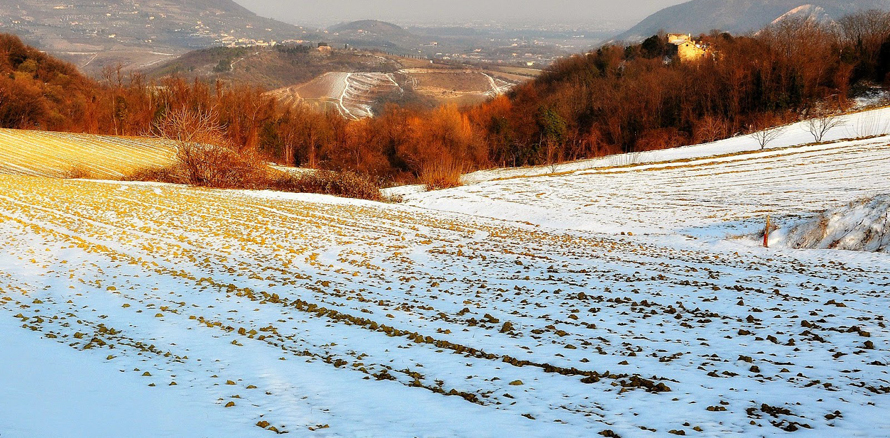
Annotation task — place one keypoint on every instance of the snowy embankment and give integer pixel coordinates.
(716, 189)
(871, 123)
(862, 225)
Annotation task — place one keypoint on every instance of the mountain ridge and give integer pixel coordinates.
(736, 16)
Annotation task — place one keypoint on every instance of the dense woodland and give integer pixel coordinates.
(614, 99)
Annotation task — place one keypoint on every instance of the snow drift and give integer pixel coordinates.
(862, 225)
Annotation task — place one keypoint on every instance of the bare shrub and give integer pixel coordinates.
(627, 159)
(764, 132)
(710, 128)
(441, 174)
(203, 155)
(156, 174)
(869, 124)
(345, 184)
(661, 138)
(79, 171)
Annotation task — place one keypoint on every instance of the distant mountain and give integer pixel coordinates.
(374, 34)
(740, 16)
(370, 26)
(133, 32)
(270, 67)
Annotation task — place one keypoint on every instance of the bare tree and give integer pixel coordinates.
(869, 124)
(112, 75)
(866, 31)
(822, 122)
(203, 155)
(765, 134)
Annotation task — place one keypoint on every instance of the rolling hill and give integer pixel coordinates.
(373, 34)
(58, 154)
(271, 67)
(737, 16)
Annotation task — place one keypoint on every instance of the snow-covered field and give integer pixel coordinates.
(611, 299)
(54, 154)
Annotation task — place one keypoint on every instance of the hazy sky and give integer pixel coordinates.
(455, 11)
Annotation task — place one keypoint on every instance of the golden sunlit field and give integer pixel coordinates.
(56, 154)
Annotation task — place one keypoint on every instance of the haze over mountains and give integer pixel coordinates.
(106, 31)
(740, 16)
(143, 36)
(437, 13)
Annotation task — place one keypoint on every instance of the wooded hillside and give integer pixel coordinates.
(614, 99)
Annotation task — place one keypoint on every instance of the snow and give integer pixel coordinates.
(870, 123)
(862, 225)
(634, 304)
(50, 390)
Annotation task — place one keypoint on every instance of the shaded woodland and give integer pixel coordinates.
(614, 99)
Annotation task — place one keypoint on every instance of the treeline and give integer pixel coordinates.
(614, 99)
(633, 98)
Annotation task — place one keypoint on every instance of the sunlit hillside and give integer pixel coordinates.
(55, 154)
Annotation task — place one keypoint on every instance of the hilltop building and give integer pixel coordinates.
(687, 48)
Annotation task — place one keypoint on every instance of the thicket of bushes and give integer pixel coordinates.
(614, 99)
(205, 157)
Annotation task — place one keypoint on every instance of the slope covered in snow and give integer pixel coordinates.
(309, 313)
(606, 299)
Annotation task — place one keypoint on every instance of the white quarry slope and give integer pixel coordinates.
(507, 308)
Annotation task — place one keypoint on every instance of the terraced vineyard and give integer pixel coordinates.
(56, 154)
(351, 94)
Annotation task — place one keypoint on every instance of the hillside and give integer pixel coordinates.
(360, 95)
(752, 183)
(352, 95)
(55, 154)
(608, 301)
(136, 34)
(736, 16)
(39, 91)
(370, 28)
(271, 67)
(372, 34)
(300, 73)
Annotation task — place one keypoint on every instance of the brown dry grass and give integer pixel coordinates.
(441, 174)
(79, 171)
(344, 184)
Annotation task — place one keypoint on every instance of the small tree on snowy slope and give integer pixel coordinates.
(763, 133)
(820, 123)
